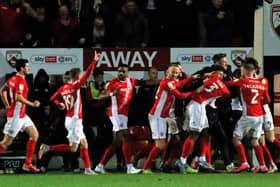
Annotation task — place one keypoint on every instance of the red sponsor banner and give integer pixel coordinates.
(50, 59)
(136, 59)
(197, 58)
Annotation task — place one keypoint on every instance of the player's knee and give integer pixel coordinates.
(7, 142)
(255, 142)
(194, 136)
(74, 148)
(84, 144)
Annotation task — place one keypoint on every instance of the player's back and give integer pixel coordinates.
(17, 85)
(252, 91)
(213, 88)
(72, 100)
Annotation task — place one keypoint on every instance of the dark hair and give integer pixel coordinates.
(218, 57)
(74, 72)
(97, 72)
(123, 66)
(217, 68)
(20, 63)
(251, 64)
(176, 63)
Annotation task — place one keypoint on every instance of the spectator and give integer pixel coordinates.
(12, 16)
(216, 26)
(131, 27)
(64, 29)
(98, 32)
(37, 33)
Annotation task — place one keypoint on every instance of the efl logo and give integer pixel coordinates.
(12, 56)
(275, 18)
(50, 59)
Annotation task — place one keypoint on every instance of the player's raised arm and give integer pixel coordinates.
(4, 95)
(88, 72)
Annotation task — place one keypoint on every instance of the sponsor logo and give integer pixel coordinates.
(194, 59)
(12, 56)
(50, 59)
(238, 57)
(59, 59)
(275, 18)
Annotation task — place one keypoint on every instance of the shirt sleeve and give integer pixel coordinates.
(55, 96)
(236, 82)
(180, 84)
(19, 87)
(266, 98)
(85, 77)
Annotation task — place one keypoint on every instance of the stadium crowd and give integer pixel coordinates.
(127, 23)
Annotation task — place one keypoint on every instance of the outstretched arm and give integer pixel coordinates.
(180, 84)
(55, 96)
(180, 95)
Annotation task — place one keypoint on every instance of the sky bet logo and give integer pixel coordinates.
(53, 59)
(193, 59)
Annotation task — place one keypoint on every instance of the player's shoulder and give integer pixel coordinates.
(263, 80)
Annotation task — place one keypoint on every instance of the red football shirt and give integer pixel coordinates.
(17, 85)
(253, 91)
(166, 92)
(120, 103)
(213, 89)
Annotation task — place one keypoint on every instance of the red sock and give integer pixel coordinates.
(126, 148)
(267, 154)
(165, 151)
(110, 151)
(84, 156)
(29, 151)
(277, 143)
(60, 148)
(208, 154)
(187, 148)
(259, 154)
(241, 153)
(152, 156)
(2, 148)
(204, 143)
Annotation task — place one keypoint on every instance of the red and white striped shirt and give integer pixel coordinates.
(120, 102)
(71, 96)
(17, 85)
(166, 92)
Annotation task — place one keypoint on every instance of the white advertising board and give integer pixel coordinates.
(194, 59)
(53, 60)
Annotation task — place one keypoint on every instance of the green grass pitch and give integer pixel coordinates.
(123, 180)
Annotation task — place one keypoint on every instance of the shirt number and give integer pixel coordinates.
(256, 92)
(211, 87)
(69, 101)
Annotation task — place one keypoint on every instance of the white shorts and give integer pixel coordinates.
(75, 129)
(119, 122)
(158, 127)
(172, 125)
(14, 125)
(248, 126)
(197, 117)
